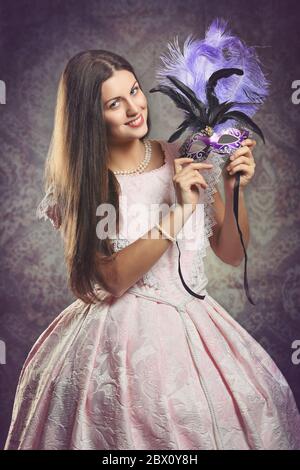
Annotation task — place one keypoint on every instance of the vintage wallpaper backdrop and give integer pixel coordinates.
(37, 38)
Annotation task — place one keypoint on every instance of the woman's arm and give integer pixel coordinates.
(227, 243)
(133, 261)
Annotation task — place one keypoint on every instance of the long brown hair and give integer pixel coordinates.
(77, 166)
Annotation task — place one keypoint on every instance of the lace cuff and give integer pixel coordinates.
(48, 209)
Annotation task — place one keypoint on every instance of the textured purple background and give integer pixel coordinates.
(37, 38)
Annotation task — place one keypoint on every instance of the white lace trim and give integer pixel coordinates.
(48, 209)
(119, 243)
(212, 177)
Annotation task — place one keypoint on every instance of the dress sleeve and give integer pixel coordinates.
(48, 209)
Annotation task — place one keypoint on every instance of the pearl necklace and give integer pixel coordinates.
(142, 165)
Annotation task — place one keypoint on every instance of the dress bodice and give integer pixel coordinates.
(142, 197)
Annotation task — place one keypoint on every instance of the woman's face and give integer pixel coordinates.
(123, 101)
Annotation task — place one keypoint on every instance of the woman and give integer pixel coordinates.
(136, 362)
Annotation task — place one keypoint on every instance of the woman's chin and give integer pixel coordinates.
(138, 132)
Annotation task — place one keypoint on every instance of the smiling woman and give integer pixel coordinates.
(97, 96)
(126, 119)
(136, 362)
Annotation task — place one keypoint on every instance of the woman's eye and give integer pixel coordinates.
(135, 88)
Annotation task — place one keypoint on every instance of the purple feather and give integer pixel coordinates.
(219, 49)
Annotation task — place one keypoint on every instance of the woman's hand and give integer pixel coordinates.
(241, 160)
(187, 179)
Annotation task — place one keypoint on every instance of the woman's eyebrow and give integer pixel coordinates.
(118, 96)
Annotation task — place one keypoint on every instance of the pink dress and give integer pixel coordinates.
(155, 368)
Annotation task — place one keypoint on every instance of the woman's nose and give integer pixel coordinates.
(132, 109)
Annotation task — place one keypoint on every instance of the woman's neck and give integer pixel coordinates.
(126, 156)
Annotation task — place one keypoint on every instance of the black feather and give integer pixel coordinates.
(217, 112)
(244, 119)
(180, 101)
(183, 126)
(211, 97)
(191, 95)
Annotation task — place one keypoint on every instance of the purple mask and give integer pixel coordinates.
(224, 142)
(214, 80)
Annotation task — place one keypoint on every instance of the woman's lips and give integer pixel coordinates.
(140, 121)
